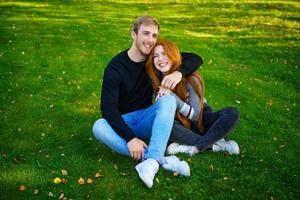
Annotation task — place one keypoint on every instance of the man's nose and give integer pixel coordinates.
(151, 39)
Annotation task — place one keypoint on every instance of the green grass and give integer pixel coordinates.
(52, 57)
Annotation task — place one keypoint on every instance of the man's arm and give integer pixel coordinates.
(110, 103)
(190, 63)
(110, 112)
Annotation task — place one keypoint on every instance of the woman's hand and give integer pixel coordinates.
(162, 91)
(171, 80)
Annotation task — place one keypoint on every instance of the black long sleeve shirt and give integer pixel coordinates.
(126, 88)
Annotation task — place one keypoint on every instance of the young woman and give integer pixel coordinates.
(197, 126)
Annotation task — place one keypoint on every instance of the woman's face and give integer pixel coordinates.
(161, 59)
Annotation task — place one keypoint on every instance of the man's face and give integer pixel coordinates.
(145, 39)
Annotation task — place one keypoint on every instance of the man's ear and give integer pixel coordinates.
(133, 35)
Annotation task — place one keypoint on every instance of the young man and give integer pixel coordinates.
(126, 104)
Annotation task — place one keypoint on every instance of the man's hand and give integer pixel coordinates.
(136, 148)
(170, 81)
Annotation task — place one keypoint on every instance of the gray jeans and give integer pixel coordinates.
(216, 126)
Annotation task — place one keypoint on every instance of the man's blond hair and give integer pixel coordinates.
(146, 20)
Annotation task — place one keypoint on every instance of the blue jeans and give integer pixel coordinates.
(153, 123)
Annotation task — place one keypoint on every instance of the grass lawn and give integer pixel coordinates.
(52, 58)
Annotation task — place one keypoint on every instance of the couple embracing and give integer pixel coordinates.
(152, 92)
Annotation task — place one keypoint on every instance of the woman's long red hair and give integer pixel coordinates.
(180, 90)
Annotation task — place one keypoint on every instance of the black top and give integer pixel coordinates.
(126, 88)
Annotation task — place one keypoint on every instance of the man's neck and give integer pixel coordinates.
(135, 55)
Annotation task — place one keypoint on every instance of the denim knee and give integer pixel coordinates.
(167, 101)
(234, 114)
(97, 127)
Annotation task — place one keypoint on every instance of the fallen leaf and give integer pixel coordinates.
(211, 168)
(240, 163)
(64, 181)
(16, 160)
(175, 174)
(226, 154)
(64, 172)
(22, 188)
(81, 181)
(50, 194)
(98, 174)
(36, 191)
(115, 166)
(57, 180)
(61, 196)
(89, 181)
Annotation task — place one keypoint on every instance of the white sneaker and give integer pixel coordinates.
(229, 146)
(175, 148)
(221, 140)
(147, 170)
(175, 165)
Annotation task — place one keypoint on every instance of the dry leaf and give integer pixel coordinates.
(36, 191)
(22, 188)
(61, 196)
(240, 163)
(16, 160)
(211, 168)
(64, 172)
(57, 180)
(115, 166)
(98, 174)
(89, 181)
(81, 181)
(64, 181)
